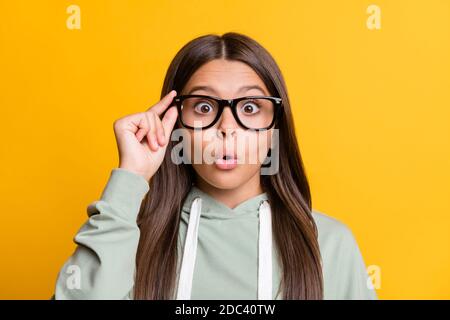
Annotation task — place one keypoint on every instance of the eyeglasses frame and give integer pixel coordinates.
(232, 103)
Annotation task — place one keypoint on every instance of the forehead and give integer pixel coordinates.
(226, 78)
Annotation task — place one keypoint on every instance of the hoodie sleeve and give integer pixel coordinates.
(353, 279)
(103, 263)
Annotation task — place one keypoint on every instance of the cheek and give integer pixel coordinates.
(199, 145)
(256, 147)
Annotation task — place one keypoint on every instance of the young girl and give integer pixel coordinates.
(229, 228)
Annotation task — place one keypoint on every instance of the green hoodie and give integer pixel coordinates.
(225, 255)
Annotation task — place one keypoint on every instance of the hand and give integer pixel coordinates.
(142, 138)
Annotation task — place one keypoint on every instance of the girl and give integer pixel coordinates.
(229, 228)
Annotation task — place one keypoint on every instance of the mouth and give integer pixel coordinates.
(226, 162)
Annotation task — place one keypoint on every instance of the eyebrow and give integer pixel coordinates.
(210, 89)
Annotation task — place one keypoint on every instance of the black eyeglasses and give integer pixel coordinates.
(251, 112)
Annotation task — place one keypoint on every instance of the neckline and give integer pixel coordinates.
(212, 208)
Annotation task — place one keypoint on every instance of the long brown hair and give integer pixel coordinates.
(295, 232)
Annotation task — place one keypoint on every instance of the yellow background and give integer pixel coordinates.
(371, 111)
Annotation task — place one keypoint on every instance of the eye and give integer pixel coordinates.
(250, 108)
(203, 108)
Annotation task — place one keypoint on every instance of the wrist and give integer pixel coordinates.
(142, 173)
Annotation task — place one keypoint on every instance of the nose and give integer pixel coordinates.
(227, 124)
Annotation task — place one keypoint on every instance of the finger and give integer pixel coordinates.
(130, 122)
(164, 103)
(160, 131)
(151, 138)
(169, 120)
(143, 128)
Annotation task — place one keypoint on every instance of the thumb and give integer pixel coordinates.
(168, 121)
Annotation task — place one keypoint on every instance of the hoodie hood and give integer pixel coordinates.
(213, 209)
(200, 205)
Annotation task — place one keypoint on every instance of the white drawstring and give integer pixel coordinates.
(190, 252)
(264, 252)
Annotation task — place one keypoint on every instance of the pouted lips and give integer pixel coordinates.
(227, 162)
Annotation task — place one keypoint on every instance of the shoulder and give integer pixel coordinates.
(344, 270)
(331, 230)
(338, 246)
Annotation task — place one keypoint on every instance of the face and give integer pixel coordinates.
(227, 156)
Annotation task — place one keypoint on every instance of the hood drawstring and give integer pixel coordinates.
(264, 252)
